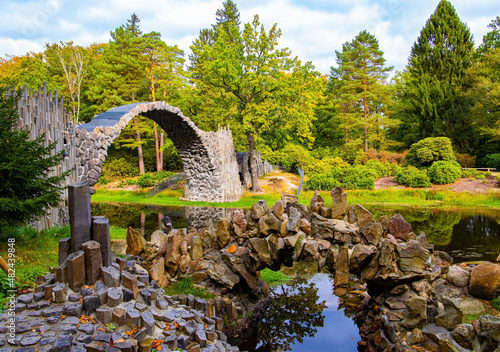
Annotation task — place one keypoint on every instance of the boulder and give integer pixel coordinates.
(278, 209)
(259, 209)
(240, 224)
(384, 221)
(288, 198)
(364, 216)
(268, 224)
(135, 242)
(399, 227)
(351, 215)
(223, 233)
(221, 274)
(339, 200)
(464, 335)
(158, 237)
(372, 232)
(360, 256)
(458, 276)
(261, 246)
(197, 248)
(417, 313)
(119, 246)
(485, 281)
(305, 226)
(157, 272)
(317, 203)
(210, 240)
(450, 315)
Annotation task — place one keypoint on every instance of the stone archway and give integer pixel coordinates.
(209, 158)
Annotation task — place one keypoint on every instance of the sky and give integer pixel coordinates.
(313, 30)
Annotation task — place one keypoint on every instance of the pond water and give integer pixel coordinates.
(306, 315)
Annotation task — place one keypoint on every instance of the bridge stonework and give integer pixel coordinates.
(209, 158)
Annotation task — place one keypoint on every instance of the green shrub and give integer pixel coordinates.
(428, 150)
(444, 172)
(357, 177)
(149, 180)
(467, 173)
(103, 180)
(395, 168)
(412, 177)
(498, 178)
(493, 160)
(382, 169)
(487, 173)
(480, 176)
(119, 167)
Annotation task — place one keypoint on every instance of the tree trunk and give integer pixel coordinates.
(162, 135)
(157, 148)
(366, 138)
(139, 148)
(253, 164)
(143, 223)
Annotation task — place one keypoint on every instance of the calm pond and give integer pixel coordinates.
(306, 315)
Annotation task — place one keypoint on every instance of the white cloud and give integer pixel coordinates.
(312, 29)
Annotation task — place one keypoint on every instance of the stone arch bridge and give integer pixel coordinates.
(209, 158)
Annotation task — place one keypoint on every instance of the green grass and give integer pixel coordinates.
(413, 197)
(117, 233)
(35, 252)
(186, 286)
(495, 303)
(273, 278)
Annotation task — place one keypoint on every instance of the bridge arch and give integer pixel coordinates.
(209, 158)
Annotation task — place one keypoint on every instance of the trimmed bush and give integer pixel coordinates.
(498, 179)
(382, 169)
(444, 172)
(469, 173)
(480, 176)
(428, 150)
(358, 177)
(412, 177)
(395, 168)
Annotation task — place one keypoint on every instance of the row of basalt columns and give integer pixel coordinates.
(89, 247)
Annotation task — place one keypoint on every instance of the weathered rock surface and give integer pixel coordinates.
(485, 281)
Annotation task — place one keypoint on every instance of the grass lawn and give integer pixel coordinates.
(410, 197)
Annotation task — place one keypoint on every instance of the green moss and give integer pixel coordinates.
(469, 318)
(186, 286)
(273, 278)
(495, 303)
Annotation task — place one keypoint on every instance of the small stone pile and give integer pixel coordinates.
(123, 311)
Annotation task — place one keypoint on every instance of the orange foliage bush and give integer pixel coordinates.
(384, 155)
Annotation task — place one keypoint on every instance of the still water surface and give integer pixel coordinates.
(297, 319)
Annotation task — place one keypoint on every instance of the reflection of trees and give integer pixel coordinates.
(438, 227)
(293, 314)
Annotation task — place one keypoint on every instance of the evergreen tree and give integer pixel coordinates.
(359, 83)
(26, 189)
(434, 99)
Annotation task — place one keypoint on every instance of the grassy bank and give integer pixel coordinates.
(35, 251)
(411, 197)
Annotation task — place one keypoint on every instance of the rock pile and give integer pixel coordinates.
(122, 311)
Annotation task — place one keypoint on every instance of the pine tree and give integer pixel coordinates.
(359, 83)
(437, 65)
(26, 189)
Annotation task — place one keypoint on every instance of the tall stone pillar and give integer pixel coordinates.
(101, 235)
(79, 214)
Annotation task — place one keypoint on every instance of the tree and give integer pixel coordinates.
(491, 40)
(73, 61)
(26, 189)
(434, 99)
(359, 83)
(247, 65)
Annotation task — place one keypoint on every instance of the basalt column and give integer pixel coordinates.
(79, 214)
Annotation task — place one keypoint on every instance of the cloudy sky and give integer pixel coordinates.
(312, 29)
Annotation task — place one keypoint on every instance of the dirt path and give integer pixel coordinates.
(462, 185)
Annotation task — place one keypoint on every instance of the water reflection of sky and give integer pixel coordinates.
(339, 332)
